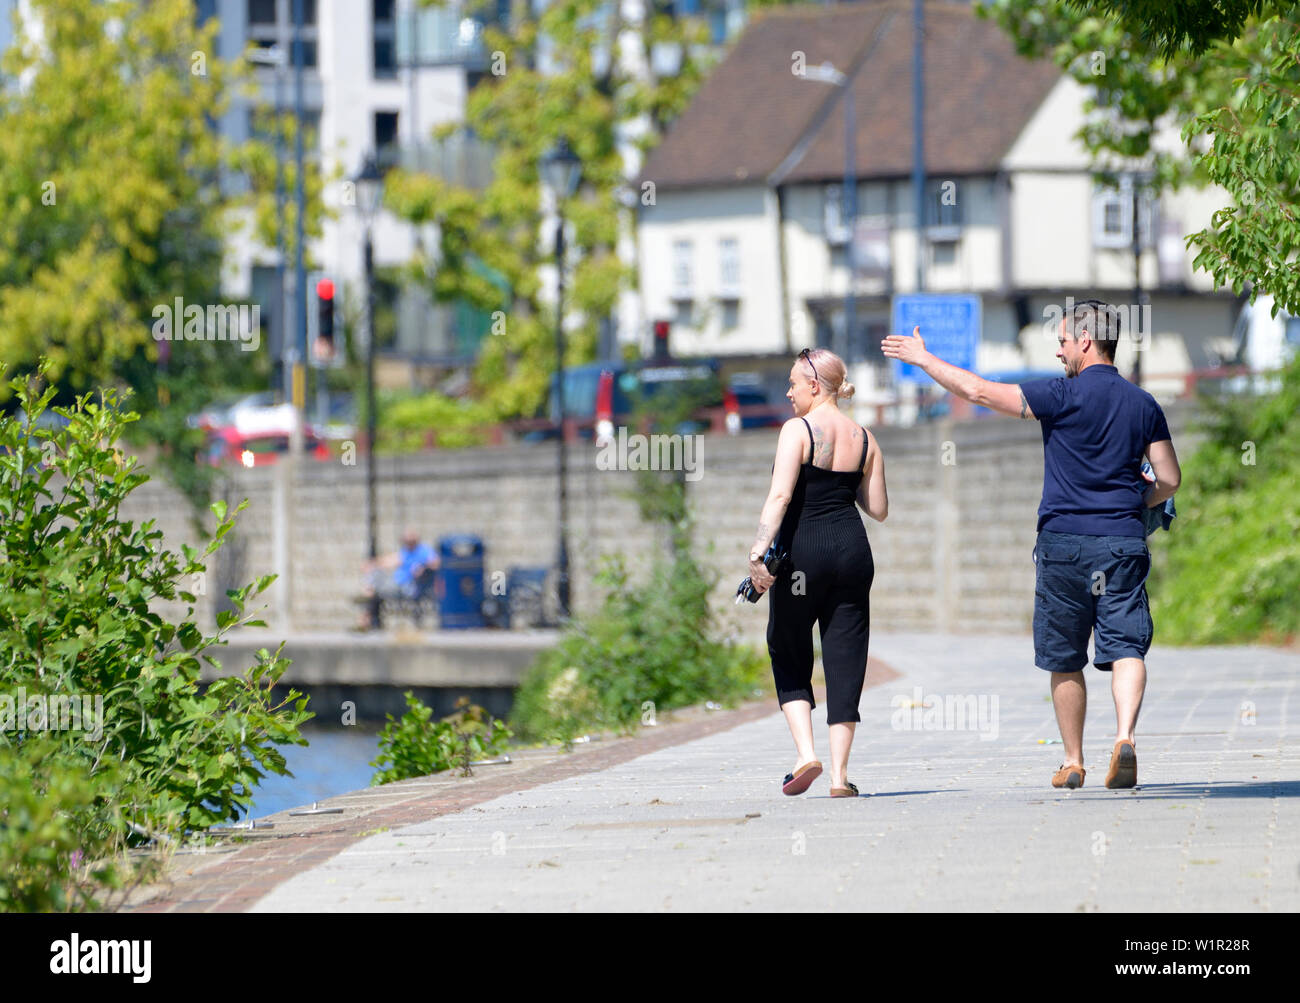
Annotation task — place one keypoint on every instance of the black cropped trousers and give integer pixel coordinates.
(830, 585)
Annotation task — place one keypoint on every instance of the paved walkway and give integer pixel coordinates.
(957, 810)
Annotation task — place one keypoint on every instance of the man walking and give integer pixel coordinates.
(1091, 554)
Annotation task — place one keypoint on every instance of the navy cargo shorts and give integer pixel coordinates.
(1090, 585)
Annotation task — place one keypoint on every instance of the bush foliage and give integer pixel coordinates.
(79, 592)
(1230, 569)
(412, 747)
(652, 642)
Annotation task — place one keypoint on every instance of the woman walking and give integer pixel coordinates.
(824, 465)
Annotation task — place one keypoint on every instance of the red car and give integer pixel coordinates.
(230, 447)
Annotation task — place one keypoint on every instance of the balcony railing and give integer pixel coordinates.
(460, 159)
(440, 36)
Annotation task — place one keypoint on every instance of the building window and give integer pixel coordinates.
(683, 270)
(385, 39)
(943, 207)
(261, 11)
(385, 135)
(729, 267)
(876, 332)
(730, 315)
(1112, 216)
(837, 233)
(264, 27)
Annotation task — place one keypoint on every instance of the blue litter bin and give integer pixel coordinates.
(460, 605)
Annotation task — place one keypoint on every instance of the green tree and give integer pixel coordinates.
(119, 197)
(522, 109)
(1189, 24)
(1226, 73)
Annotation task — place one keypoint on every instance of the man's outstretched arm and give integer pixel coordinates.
(1004, 398)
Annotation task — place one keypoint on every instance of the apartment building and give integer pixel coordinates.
(378, 77)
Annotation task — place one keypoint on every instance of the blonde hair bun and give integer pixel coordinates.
(845, 391)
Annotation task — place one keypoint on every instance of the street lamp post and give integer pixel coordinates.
(918, 136)
(562, 170)
(828, 74)
(275, 57)
(1138, 181)
(370, 194)
(299, 357)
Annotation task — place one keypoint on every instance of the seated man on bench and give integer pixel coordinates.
(412, 572)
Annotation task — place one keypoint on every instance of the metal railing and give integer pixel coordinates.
(881, 414)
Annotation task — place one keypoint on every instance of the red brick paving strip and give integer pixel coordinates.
(245, 875)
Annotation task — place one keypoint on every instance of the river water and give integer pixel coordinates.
(336, 761)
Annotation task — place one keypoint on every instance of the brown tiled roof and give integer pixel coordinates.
(753, 115)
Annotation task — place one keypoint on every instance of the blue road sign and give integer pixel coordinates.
(950, 326)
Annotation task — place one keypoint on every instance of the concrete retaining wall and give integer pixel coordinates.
(953, 555)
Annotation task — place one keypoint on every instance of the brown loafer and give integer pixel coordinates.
(801, 779)
(1070, 776)
(1123, 770)
(847, 791)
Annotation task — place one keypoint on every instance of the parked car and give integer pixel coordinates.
(225, 413)
(750, 393)
(230, 447)
(340, 420)
(258, 436)
(616, 389)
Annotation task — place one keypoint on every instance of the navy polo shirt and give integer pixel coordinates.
(1096, 428)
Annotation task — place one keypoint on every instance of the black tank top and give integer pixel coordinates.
(822, 495)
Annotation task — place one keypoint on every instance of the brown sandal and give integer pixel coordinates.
(801, 780)
(1069, 775)
(847, 791)
(1123, 770)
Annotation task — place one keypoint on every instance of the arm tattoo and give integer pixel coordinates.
(1024, 405)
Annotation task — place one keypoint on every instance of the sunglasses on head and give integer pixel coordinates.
(806, 356)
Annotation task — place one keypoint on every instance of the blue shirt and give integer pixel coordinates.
(412, 560)
(1096, 428)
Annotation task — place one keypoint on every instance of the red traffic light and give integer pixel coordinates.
(325, 289)
(661, 329)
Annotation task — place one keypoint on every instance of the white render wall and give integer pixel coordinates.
(350, 97)
(1051, 231)
(705, 217)
(1052, 205)
(814, 270)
